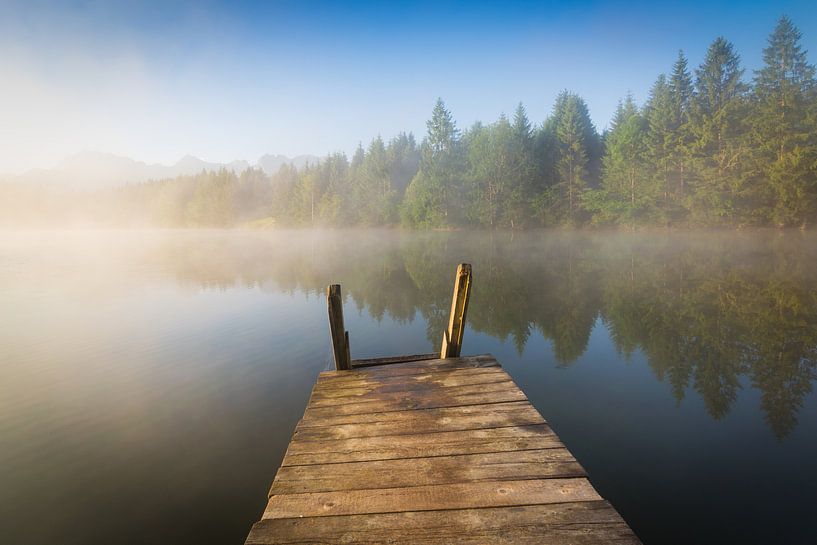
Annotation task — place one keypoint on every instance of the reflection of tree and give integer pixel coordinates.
(706, 311)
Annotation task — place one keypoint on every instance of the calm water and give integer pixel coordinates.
(149, 382)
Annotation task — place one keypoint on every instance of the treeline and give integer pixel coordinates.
(707, 148)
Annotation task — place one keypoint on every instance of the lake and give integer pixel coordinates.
(150, 381)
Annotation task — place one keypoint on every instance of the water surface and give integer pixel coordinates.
(150, 381)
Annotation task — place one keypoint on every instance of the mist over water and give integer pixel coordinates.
(150, 380)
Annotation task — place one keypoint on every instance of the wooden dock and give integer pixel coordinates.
(429, 450)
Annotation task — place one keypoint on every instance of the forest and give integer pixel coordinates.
(711, 147)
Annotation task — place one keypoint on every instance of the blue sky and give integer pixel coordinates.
(234, 80)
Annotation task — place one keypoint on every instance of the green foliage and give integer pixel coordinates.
(783, 131)
(576, 151)
(627, 195)
(434, 196)
(718, 151)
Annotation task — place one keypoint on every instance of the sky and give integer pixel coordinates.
(234, 80)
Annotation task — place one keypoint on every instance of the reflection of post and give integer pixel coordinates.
(340, 337)
(452, 336)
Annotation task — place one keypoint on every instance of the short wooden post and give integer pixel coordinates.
(340, 337)
(452, 336)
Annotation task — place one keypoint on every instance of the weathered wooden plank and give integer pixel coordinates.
(409, 368)
(495, 466)
(431, 451)
(500, 439)
(402, 402)
(496, 384)
(452, 337)
(427, 420)
(585, 523)
(430, 497)
(411, 384)
(340, 337)
(440, 409)
(394, 359)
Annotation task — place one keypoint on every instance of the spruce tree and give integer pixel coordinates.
(577, 146)
(522, 173)
(661, 122)
(432, 197)
(626, 195)
(783, 136)
(681, 92)
(490, 164)
(404, 160)
(716, 124)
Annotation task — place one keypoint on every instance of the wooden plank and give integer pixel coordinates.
(408, 382)
(495, 466)
(431, 451)
(409, 368)
(457, 377)
(340, 337)
(585, 523)
(424, 400)
(428, 420)
(500, 439)
(418, 415)
(452, 337)
(394, 359)
(430, 497)
(447, 385)
(370, 391)
(495, 384)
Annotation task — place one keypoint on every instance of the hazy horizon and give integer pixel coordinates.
(156, 82)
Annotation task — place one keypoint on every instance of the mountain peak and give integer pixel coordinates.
(89, 169)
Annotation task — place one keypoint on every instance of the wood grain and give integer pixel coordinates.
(371, 362)
(425, 421)
(504, 439)
(430, 498)
(584, 523)
(494, 466)
(412, 367)
(403, 401)
(435, 452)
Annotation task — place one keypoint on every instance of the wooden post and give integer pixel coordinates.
(452, 337)
(340, 337)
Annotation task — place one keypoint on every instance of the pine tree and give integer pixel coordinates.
(517, 210)
(545, 175)
(490, 157)
(432, 197)
(577, 150)
(662, 126)
(627, 194)
(333, 191)
(716, 124)
(783, 129)
(404, 160)
(375, 197)
(681, 93)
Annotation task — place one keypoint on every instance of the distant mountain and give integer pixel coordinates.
(95, 170)
(271, 163)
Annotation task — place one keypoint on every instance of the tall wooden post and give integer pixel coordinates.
(452, 336)
(340, 337)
